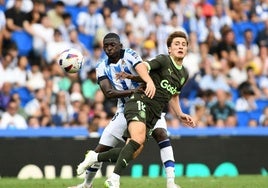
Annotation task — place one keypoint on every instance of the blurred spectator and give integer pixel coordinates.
(149, 47)
(55, 47)
(252, 122)
(2, 28)
(35, 78)
(220, 19)
(222, 112)
(45, 119)
(237, 74)
(206, 8)
(5, 95)
(14, 18)
(11, 119)
(67, 26)
(92, 61)
(237, 10)
(42, 33)
(160, 30)
(197, 23)
(173, 24)
(216, 80)
(34, 16)
(120, 18)
(200, 113)
(263, 85)
(33, 122)
(88, 22)
(252, 81)
(264, 60)
(16, 97)
(263, 35)
(21, 71)
(90, 85)
(5, 71)
(61, 110)
(247, 99)
(78, 3)
(76, 100)
(113, 6)
(103, 30)
(77, 44)
(55, 14)
(137, 15)
(171, 121)
(227, 44)
(81, 120)
(263, 121)
(261, 9)
(26, 5)
(93, 127)
(34, 106)
(248, 46)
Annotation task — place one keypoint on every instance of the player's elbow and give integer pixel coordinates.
(109, 94)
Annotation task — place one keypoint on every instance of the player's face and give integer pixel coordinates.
(178, 48)
(112, 47)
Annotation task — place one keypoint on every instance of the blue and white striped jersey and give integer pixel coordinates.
(105, 70)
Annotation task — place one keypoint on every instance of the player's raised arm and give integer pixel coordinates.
(142, 69)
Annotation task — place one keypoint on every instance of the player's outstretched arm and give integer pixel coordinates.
(184, 118)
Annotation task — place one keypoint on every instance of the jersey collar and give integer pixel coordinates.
(179, 67)
(122, 52)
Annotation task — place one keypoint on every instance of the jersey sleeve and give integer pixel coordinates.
(157, 62)
(132, 56)
(100, 71)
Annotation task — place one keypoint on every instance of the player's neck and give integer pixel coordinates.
(178, 61)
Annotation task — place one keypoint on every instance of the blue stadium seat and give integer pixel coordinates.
(239, 29)
(74, 11)
(24, 93)
(242, 119)
(255, 114)
(23, 40)
(262, 103)
(87, 40)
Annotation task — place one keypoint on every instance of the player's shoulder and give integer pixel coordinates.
(102, 63)
(129, 52)
(163, 57)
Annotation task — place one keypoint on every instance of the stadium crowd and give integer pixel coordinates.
(227, 61)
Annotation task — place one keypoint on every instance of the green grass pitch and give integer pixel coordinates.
(245, 181)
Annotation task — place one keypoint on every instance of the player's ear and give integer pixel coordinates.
(169, 50)
(121, 45)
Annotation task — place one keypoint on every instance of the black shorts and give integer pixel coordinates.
(141, 108)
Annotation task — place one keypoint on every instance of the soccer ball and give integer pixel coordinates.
(71, 60)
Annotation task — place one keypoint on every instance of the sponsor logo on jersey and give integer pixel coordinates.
(166, 85)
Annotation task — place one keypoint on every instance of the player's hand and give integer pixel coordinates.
(150, 89)
(187, 120)
(123, 75)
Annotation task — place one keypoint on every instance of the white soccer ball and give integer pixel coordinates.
(71, 60)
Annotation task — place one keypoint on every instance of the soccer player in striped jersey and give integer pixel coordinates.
(164, 76)
(123, 60)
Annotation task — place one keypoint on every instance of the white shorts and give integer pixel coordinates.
(113, 132)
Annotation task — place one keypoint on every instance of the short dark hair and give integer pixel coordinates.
(175, 35)
(112, 35)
